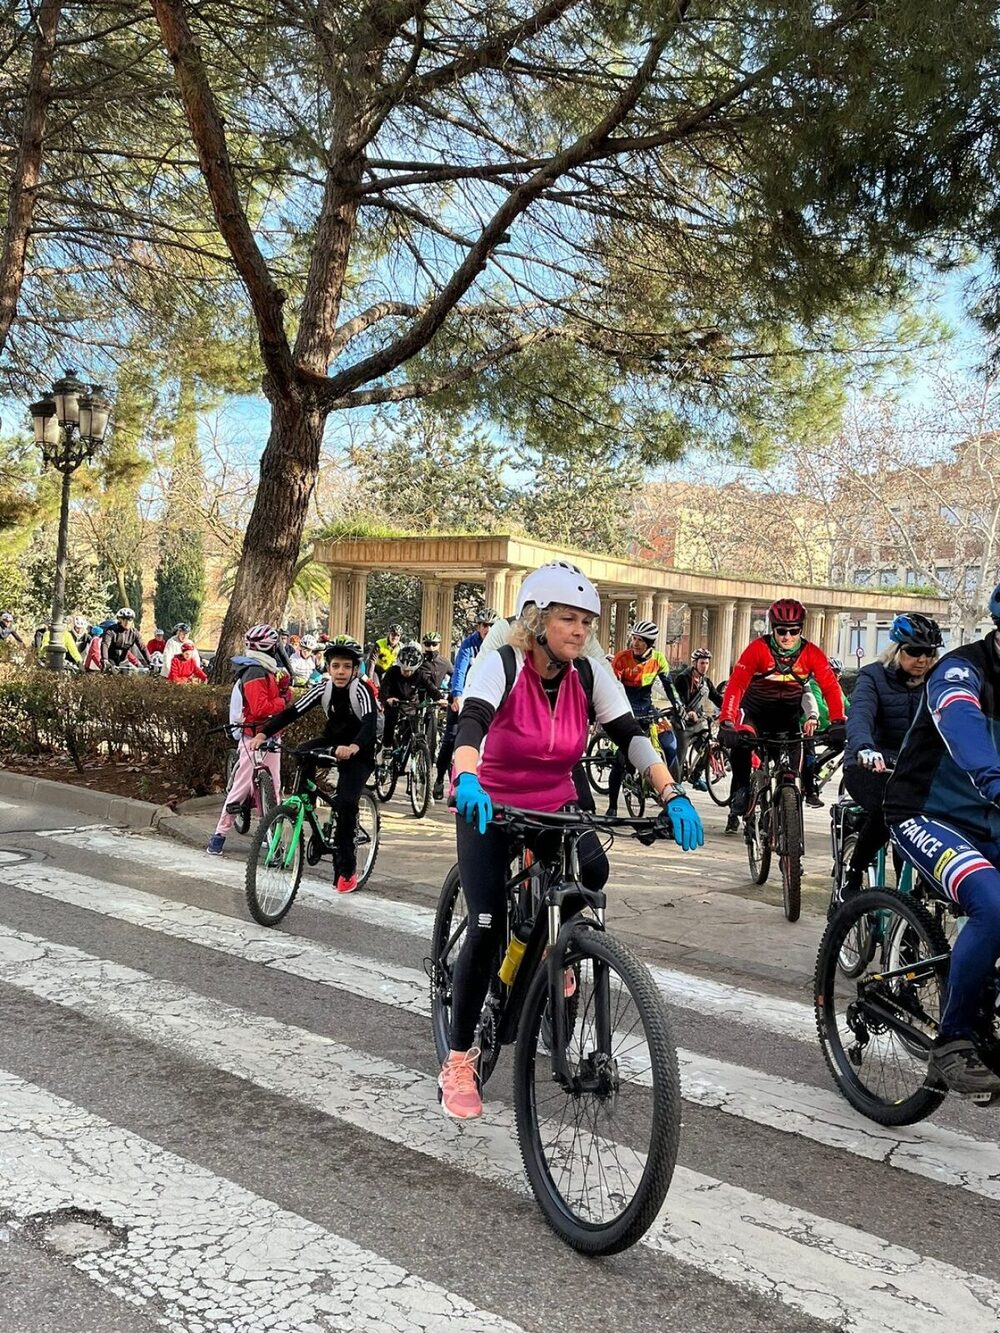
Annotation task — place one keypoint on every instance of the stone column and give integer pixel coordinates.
(446, 615)
(340, 584)
(831, 634)
(515, 577)
(644, 606)
(721, 642)
(814, 626)
(696, 631)
(742, 632)
(604, 627)
(871, 637)
(357, 597)
(429, 601)
(711, 624)
(495, 590)
(661, 615)
(621, 623)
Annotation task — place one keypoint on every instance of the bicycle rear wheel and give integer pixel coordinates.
(366, 837)
(757, 831)
(274, 866)
(420, 778)
(879, 1069)
(599, 758)
(790, 852)
(447, 938)
(718, 773)
(600, 1155)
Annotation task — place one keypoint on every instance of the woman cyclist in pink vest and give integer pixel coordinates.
(517, 745)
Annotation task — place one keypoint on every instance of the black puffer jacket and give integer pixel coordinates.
(882, 708)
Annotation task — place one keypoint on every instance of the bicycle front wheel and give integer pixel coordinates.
(790, 852)
(420, 779)
(366, 837)
(266, 798)
(879, 1066)
(858, 948)
(718, 773)
(600, 1153)
(635, 795)
(274, 866)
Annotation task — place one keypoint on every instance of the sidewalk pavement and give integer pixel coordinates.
(697, 910)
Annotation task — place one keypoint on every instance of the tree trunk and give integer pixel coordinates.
(288, 471)
(27, 169)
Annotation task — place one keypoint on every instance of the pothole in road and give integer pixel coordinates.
(72, 1232)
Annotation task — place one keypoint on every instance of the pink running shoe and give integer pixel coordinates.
(347, 884)
(458, 1086)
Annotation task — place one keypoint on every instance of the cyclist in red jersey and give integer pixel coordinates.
(764, 693)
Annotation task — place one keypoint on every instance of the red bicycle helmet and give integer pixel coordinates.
(786, 611)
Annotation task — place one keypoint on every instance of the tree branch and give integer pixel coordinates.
(209, 136)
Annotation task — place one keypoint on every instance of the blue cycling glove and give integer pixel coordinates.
(684, 823)
(473, 802)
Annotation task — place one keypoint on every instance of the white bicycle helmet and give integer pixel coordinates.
(644, 629)
(559, 583)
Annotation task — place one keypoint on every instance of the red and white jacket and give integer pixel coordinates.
(761, 678)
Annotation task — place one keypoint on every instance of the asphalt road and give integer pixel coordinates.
(205, 1125)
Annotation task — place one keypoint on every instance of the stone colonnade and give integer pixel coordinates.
(724, 627)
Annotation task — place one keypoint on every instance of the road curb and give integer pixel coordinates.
(119, 810)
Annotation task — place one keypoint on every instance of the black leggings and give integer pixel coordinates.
(483, 861)
(447, 744)
(769, 720)
(868, 789)
(352, 774)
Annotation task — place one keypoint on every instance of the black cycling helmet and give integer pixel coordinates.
(342, 645)
(912, 630)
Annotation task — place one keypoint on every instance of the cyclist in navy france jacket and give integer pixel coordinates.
(884, 705)
(941, 806)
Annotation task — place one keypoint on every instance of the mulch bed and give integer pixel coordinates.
(139, 782)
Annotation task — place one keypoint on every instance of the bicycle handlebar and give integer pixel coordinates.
(567, 819)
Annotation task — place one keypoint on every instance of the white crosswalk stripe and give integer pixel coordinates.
(217, 1256)
(856, 1281)
(733, 1004)
(816, 1113)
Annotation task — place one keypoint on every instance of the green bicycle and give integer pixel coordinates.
(277, 854)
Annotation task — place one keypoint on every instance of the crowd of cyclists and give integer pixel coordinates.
(520, 702)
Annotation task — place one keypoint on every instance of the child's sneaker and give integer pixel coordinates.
(215, 844)
(347, 883)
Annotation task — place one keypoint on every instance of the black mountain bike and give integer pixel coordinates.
(773, 821)
(281, 845)
(596, 1084)
(409, 756)
(876, 1026)
(706, 759)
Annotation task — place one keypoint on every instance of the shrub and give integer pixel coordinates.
(141, 718)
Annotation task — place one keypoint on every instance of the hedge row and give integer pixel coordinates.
(143, 718)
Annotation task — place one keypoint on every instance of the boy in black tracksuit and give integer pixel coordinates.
(349, 734)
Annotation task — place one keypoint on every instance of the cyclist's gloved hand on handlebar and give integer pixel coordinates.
(472, 801)
(873, 759)
(730, 732)
(681, 821)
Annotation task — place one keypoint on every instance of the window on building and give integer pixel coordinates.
(949, 515)
(888, 577)
(882, 639)
(862, 577)
(945, 576)
(913, 577)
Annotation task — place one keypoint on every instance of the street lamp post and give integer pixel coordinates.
(69, 424)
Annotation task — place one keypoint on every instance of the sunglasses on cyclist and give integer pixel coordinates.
(790, 630)
(920, 652)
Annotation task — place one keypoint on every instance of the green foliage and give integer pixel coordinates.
(392, 598)
(87, 591)
(180, 581)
